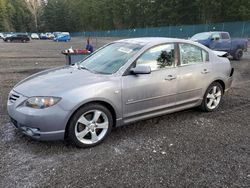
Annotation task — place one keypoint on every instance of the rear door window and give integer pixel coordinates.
(224, 36)
(191, 54)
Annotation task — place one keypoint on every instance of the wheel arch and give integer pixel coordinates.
(203, 106)
(221, 82)
(101, 102)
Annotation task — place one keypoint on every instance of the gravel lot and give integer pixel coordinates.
(184, 149)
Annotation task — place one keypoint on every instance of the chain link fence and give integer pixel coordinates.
(236, 30)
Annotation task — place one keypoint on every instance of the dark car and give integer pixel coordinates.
(17, 38)
(221, 41)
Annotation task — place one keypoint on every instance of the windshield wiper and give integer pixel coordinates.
(85, 68)
(79, 66)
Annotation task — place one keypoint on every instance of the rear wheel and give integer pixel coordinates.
(90, 125)
(212, 97)
(238, 54)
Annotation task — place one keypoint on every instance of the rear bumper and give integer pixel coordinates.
(229, 82)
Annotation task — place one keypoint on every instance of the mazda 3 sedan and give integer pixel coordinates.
(122, 82)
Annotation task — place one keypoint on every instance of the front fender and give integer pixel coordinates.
(109, 92)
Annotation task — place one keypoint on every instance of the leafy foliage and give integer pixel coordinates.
(89, 15)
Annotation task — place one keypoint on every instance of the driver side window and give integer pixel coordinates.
(158, 57)
(216, 36)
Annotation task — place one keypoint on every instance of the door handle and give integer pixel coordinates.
(205, 71)
(170, 77)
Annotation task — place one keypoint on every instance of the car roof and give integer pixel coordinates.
(20, 33)
(148, 42)
(152, 40)
(213, 32)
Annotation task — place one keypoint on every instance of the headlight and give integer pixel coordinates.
(42, 102)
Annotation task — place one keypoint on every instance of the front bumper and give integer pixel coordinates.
(35, 133)
(40, 124)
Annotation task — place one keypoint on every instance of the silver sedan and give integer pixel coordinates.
(122, 82)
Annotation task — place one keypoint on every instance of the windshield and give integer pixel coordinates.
(111, 58)
(201, 36)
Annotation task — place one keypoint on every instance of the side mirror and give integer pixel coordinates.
(141, 69)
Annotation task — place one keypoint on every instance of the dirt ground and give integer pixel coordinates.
(184, 149)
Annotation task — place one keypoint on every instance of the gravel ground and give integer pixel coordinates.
(184, 149)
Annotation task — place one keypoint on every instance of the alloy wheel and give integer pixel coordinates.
(213, 97)
(91, 127)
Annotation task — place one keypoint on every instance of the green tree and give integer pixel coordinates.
(4, 22)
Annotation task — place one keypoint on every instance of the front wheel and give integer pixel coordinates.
(90, 125)
(212, 97)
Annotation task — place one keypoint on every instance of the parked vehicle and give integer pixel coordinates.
(34, 36)
(17, 38)
(56, 33)
(62, 37)
(50, 36)
(43, 36)
(122, 82)
(221, 41)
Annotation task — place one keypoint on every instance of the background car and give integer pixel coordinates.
(46, 36)
(123, 82)
(34, 36)
(56, 33)
(62, 37)
(221, 41)
(50, 36)
(43, 36)
(17, 38)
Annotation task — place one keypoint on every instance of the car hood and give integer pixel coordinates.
(55, 82)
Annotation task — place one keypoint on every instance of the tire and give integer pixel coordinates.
(238, 54)
(89, 126)
(212, 97)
